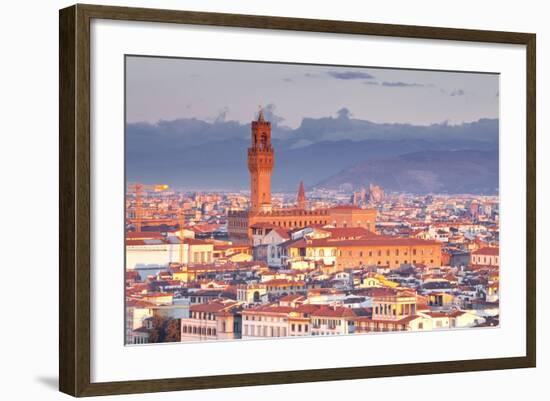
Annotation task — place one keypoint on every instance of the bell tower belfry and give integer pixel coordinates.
(261, 159)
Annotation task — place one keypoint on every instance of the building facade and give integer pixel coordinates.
(220, 320)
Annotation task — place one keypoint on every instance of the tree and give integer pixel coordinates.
(165, 330)
(157, 332)
(173, 332)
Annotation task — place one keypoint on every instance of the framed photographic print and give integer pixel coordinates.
(250, 200)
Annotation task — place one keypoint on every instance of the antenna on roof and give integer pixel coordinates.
(260, 113)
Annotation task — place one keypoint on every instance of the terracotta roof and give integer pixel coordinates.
(205, 228)
(346, 207)
(374, 241)
(269, 309)
(262, 225)
(492, 251)
(193, 241)
(139, 303)
(158, 294)
(213, 307)
(307, 308)
(282, 232)
(349, 232)
(281, 281)
(144, 235)
(338, 311)
(291, 298)
(382, 241)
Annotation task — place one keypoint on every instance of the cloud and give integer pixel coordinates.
(288, 80)
(400, 84)
(350, 75)
(371, 83)
(457, 92)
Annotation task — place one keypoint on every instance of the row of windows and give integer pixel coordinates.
(293, 327)
(321, 252)
(264, 331)
(391, 309)
(203, 315)
(478, 259)
(397, 262)
(284, 288)
(384, 327)
(328, 322)
(294, 224)
(388, 252)
(202, 257)
(198, 330)
(141, 340)
(265, 318)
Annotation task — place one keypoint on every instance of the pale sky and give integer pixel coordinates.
(170, 88)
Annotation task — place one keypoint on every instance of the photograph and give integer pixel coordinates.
(267, 200)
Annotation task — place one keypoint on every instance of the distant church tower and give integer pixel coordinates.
(301, 199)
(260, 164)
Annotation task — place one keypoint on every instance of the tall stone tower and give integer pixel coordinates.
(260, 164)
(301, 198)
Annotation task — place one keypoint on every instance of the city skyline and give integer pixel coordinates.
(381, 227)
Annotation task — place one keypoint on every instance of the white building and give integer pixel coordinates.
(154, 253)
(332, 321)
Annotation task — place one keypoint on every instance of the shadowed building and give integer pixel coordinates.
(261, 160)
